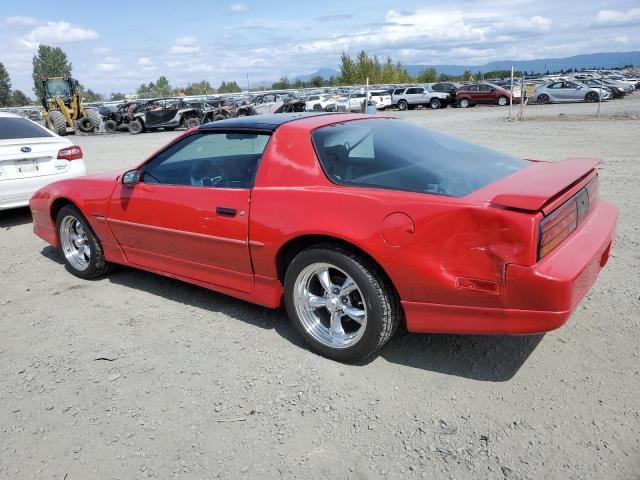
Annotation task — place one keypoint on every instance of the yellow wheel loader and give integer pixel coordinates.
(63, 109)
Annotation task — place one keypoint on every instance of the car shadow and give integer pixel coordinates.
(199, 297)
(477, 357)
(490, 358)
(15, 217)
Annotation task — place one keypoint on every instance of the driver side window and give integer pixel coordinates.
(222, 160)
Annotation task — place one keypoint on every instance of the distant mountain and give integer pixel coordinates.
(589, 60)
(541, 65)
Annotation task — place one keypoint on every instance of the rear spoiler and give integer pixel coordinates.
(534, 187)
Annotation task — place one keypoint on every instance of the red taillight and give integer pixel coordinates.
(565, 219)
(70, 153)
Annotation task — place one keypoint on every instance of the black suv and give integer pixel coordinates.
(446, 87)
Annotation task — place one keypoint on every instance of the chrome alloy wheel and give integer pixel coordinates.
(75, 243)
(330, 305)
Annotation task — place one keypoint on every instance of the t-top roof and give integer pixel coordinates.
(260, 122)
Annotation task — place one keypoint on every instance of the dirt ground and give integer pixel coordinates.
(138, 376)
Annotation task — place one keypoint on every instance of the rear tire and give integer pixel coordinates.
(502, 101)
(78, 244)
(135, 127)
(371, 299)
(402, 105)
(57, 123)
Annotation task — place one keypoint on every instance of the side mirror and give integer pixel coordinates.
(131, 177)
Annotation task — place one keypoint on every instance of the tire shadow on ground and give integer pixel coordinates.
(14, 217)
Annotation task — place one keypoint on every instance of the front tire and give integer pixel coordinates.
(111, 126)
(340, 303)
(591, 97)
(78, 244)
(435, 104)
(57, 123)
(464, 103)
(192, 122)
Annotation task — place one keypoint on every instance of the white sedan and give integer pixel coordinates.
(32, 156)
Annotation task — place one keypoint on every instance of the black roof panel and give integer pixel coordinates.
(259, 122)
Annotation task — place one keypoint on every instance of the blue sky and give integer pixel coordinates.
(116, 45)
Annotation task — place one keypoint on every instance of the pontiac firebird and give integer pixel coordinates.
(356, 223)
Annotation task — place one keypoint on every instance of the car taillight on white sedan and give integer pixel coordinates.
(565, 219)
(70, 153)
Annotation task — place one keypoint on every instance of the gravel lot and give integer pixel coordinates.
(136, 376)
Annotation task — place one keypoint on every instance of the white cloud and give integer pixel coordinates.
(109, 64)
(189, 44)
(145, 61)
(21, 21)
(615, 17)
(102, 50)
(57, 33)
(238, 7)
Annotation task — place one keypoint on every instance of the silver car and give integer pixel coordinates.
(565, 91)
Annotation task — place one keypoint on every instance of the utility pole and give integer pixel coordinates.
(600, 93)
(511, 96)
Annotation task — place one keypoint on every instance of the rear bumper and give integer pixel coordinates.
(16, 192)
(539, 298)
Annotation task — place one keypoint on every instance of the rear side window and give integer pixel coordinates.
(367, 153)
(20, 128)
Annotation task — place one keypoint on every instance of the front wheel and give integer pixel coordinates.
(435, 104)
(544, 99)
(78, 245)
(192, 122)
(340, 303)
(464, 103)
(591, 97)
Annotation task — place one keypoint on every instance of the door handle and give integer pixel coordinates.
(227, 212)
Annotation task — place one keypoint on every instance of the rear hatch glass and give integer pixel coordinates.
(13, 127)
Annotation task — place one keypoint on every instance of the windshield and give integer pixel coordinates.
(368, 153)
(57, 88)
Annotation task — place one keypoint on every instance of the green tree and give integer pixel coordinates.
(163, 87)
(347, 70)
(118, 96)
(229, 87)
(49, 62)
(281, 84)
(19, 99)
(199, 88)
(428, 75)
(5, 87)
(467, 75)
(316, 81)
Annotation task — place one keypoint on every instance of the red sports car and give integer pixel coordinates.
(359, 223)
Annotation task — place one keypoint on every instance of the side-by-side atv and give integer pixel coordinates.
(165, 113)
